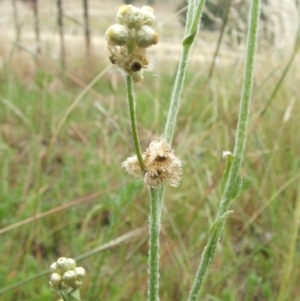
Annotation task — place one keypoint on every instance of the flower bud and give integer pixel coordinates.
(137, 77)
(129, 16)
(64, 286)
(64, 264)
(117, 35)
(55, 279)
(77, 284)
(53, 267)
(148, 15)
(146, 37)
(80, 272)
(69, 277)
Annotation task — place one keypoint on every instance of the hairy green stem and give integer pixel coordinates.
(132, 115)
(241, 133)
(210, 249)
(191, 32)
(154, 230)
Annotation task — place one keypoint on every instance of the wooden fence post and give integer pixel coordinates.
(61, 34)
(36, 26)
(16, 21)
(86, 27)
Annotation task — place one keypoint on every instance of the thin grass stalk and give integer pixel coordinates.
(209, 251)
(36, 26)
(133, 123)
(284, 73)
(70, 109)
(118, 241)
(61, 34)
(16, 20)
(225, 19)
(287, 280)
(86, 26)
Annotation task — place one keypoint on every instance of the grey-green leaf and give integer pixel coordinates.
(75, 295)
(237, 187)
(189, 39)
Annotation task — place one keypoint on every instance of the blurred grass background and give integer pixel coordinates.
(69, 195)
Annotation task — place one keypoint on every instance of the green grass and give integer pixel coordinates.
(86, 157)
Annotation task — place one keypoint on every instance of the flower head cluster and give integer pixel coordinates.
(128, 39)
(65, 274)
(161, 165)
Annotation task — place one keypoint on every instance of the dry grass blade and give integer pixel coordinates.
(72, 107)
(11, 106)
(123, 239)
(57, 209)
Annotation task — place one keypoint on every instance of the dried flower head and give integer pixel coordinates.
(161, 165)
(136, 62)
(133, 64)
(132, 166)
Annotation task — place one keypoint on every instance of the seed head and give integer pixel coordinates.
(136, 61)
(132, 166)
(161, 165)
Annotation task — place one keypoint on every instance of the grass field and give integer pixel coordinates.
(63, 191)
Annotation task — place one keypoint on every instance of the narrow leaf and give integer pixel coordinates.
(75, 295)
(187, 41)
(237, 186)
(219, 222)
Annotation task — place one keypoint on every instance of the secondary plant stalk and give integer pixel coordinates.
(210, 249)
(243, 120)
(132, 115)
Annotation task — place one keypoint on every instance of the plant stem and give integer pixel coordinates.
(241, 134)
(191, 32)
(157, 195)
(154, 230)
(132, 115)
(210, 249)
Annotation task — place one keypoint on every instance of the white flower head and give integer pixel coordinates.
(137, 77)
(129, 38)
(148, 15)
(65, 275)
(130, 16)
(64, 264)
(146, 37)
(117, 34)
